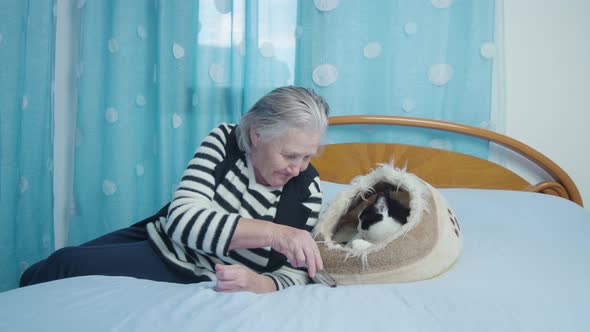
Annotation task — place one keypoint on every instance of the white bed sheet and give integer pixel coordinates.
(524, 267)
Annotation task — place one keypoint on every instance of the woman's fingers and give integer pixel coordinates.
(228, 278)
(222, 272)
(311, 262)
(299, 248)
(236, 278)
(314, 261)
(300, 257)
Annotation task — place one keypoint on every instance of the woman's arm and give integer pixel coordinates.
(296, 244)
(290, 274)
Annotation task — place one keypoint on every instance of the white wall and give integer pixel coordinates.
(547, 61)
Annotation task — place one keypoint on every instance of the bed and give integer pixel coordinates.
(524, 264)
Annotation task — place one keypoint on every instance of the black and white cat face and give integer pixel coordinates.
(382, 218)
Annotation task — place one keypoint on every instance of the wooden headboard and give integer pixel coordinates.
(441, 168)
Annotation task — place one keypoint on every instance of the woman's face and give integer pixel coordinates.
(276, 161)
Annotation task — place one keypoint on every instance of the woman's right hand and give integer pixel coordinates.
(298, 246)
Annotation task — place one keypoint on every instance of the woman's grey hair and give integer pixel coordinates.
(281, 110)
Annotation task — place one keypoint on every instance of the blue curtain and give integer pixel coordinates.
(427, 59)
(26, 152)
(153, 77)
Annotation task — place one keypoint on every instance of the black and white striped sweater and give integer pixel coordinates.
(203, 215)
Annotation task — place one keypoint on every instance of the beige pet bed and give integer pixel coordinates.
(425, 247)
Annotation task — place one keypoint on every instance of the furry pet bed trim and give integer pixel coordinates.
(359, 188)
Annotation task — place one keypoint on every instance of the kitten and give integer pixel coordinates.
(379, 220)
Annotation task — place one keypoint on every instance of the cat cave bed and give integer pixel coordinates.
(424, 247)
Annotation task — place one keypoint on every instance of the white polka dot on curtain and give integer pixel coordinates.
(410, 28)
(177, 51)
(24, 103)
(372, 50)
(325, 75)
(23, 184)
(111, 115)
(139, 169)
(177, 121)
(216, 72)
(109, 188)
(113, 45)
(326, 5)
(140, 100)
(488, 50)
(141, 32)
(408, 105)
(440, 74)
(442, 3)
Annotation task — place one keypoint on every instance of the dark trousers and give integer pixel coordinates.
(126, 252)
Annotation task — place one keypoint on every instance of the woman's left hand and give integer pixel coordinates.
(237, 278)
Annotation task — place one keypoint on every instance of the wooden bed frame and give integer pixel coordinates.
(441, 168)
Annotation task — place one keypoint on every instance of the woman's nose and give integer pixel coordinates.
(298, 167)
(294, 169)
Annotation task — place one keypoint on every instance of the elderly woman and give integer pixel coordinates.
(241, 215)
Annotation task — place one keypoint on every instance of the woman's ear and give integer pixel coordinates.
(254, 137)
